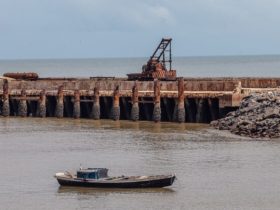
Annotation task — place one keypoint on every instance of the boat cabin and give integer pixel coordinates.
(92, 173)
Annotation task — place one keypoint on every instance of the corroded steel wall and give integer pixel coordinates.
(229, 91)
(187, 99)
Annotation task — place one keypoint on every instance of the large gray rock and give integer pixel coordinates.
(258, 116)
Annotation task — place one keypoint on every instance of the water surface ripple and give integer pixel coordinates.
(215, 170)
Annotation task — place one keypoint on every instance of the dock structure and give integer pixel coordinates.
(195, 100)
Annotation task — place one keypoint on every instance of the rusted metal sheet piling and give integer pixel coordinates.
(116, 105)
(22, 107)
(42, 105)
(59, 110)
(181, 116)
(157, 108)
(6, 104)
(95, 114)
(77, 109)
(135, 104)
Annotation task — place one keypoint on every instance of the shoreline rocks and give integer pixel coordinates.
(257, 117)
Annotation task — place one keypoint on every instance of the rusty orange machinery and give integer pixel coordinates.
(159, 66)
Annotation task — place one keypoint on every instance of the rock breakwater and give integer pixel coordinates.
(258, 117)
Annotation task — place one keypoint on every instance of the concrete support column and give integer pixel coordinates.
(6, 104)
(59, 103)
(22, 108)
(181, 101)
(95, 113)
(157, 109)
(135, 105)
(116, 105)
(77, 108)
(42, 105)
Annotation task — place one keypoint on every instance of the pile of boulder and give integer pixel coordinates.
(258, 117)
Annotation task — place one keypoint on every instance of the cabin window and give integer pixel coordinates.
(82, 175)
(92, 176)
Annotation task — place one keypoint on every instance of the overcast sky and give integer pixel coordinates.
(133, 28)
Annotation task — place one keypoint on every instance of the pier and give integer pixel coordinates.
(194, 100)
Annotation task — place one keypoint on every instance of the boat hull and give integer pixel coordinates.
(146, 183)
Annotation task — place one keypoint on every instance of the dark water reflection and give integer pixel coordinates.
(215, 170)
(104, 191)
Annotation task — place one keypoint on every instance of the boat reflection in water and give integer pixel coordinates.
(106, 191)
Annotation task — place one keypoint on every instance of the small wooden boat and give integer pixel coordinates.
(98, 177)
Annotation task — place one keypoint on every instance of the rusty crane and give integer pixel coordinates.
(159, 66)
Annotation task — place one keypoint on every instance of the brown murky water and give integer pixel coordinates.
(215, 170)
